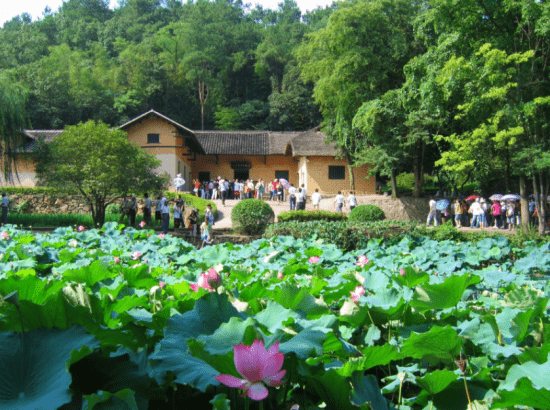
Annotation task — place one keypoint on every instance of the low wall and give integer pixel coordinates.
(50, 204)
(399, 209)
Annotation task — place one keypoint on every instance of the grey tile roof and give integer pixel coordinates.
(234, 142)
(278, 141)
(34, 135)
(307, 143)
(312, 143)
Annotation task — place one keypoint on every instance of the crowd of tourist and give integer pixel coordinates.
(476, 212)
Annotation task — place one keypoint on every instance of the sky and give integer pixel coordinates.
(12, 8)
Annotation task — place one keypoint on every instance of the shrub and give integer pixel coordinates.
(252, 216)
(366, 213)
(345, 235)
(311, 216)
(113, 209)
(405, 181)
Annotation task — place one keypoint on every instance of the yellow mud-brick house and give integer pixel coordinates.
(303, 158)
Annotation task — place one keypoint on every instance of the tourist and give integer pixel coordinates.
(179, 208)
(196, 188)
(147, 209)
(316, 199)
(532, 206)
(132, 210)
(124, 205)
(206, 232)
(292, 197)
(158, 212)
(304, 190)
(209, 214)
(280, 192)
(301, 200)
(5, 204)
(511, 215)
(179, 182)
(165, 210)
(237, 188)
(497, 216)
(191, 221)
(260, 189)
(339, 201)
(457, 209)
(352, 201)
(223, 190)
(503, 217)
(273, 186)
(250, 188)
(484, 219)
(475, 210)
(432, 215)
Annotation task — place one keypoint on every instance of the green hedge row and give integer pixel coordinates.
(311, 216)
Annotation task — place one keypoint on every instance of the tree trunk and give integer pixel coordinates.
(351, 178)
(98, 212)
(524, 204)
(418, 170)
(393, 178)
(540, 200)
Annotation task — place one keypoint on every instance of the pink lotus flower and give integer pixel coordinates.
(136, 255)
(81, 228)
(357, 293)
(280, 275)
(194, 287)
(162, 284)
(258, 366)
(402, 271)
(362, 261)
(117, 259)
(5, 236)
(142, 224)
(313, 259)
(161, 236)
(213, 278)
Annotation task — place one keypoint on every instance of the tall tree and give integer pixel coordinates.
(357, 57)
(100, 163)
(13, 120)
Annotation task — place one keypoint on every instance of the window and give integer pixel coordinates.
(153, 138)
(336, 172)
(204, 176)
(281, 174)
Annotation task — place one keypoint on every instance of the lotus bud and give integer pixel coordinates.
(214, 279)
(402, 272)
(81, 228)
(280, 275)
(162, 284)
(116, 259)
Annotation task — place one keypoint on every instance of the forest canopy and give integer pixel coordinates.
(459, 89)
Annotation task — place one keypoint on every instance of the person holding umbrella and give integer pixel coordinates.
(457, 209)
(443, 206)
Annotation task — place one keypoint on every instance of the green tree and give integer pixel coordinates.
(100, 163)
(13, 120)
(357, 57)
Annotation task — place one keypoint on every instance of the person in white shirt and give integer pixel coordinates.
(433, 213)
(316, 198)
(339, 201)
(179, 182)
(352, 201)
(476, 211)
(301, 200)
(292, 197)
(223, 190)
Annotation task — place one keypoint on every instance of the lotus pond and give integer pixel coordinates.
(112, 319)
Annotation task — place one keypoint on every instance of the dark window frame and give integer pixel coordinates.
(152, 137)
(204, 176)
(337, 172)
(283, 173)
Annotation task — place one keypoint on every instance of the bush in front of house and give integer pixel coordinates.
(316, 215)
(366, 213)
(252, 216)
